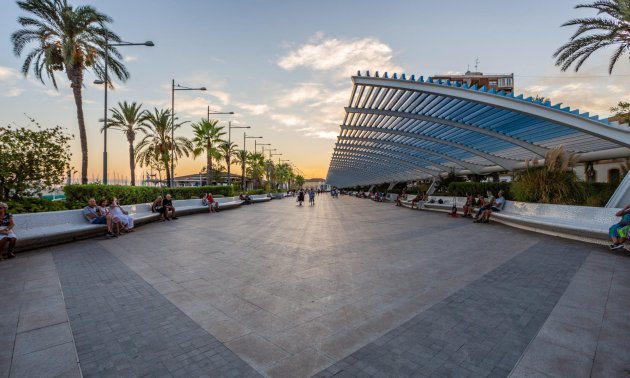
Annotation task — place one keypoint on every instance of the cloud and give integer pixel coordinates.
(13, 92)
(130, 58)
(303, 92)
(223, 97)
(7, 73)
(343, 57)
(253, 109)
(288, 119)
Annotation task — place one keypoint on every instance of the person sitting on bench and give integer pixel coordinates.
(468, 205)
(615, 236)
(167, 204)
(495, 206)
(418, 200)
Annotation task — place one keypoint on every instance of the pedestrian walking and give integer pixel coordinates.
(311, 197)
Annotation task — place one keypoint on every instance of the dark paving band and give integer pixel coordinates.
(481, 330)
(124, 327)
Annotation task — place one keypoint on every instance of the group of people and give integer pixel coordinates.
(301, 194)
(108, 211)
(618, 232)
(164, 206)
(7, 236)
(485, 206)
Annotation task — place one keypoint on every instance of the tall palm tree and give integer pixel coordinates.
(228, 152)
(595, 33)
(129, 119)
(67, 39)
(157, 142)
(206, 140)
(241, 158)
(256, 167)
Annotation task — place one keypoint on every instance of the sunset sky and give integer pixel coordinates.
(284, 66)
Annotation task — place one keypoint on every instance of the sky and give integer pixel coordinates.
(284, 67)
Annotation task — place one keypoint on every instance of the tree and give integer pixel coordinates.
(595, 33)
(156, 143)
(32, 160)
(299, 181)
(229, 151)
(129, 119)
(67, 39)
(256, 167)
(622, 112)
(206, 140)
(241, 158)
(284, 174)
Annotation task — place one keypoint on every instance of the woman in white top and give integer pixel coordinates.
(119, 214)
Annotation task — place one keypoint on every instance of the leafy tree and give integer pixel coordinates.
(32, 160)
(283, 173)
(129, 119)
(595, 33)
(241, 158)
(206, 141)
(67, 39)
(622, 112)
(299, 181)
(157, 142)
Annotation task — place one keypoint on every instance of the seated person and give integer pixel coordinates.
(94, 215)
(479, 202)
(418, 200)
(114, 224)
(613, 231)
(246, 198)
(399, 199)
(120, 215)
(167, 204)
(468, 205)
(496, 207)
(212, 204)
(157, 207)
(487, 204)
(6, 231)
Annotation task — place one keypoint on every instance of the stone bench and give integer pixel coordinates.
(260, 198)
(583, 223)
(55, 227)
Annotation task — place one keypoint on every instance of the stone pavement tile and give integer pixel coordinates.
(555, 360)
(256, 351)
(41, 282)
(346, 317)
(42, 338)
(54, 314)
(166, 287)
(300, 337)
(224, 329)
(303, 364)
(343, 343)
(56, 361)
(577, 317)
(578, 339)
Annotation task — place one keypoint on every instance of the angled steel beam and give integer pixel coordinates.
(538, 150)
(508, 164)
(381, 156)
(404, 154)
(475, 168)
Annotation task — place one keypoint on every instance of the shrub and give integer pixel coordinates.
(36, 205)
(461, 188)
(139, 194)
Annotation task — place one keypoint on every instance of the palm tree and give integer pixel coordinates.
(67, 39)
(283, 173)
(229, 151)
(241, 158)
(157, 142)
(207, 137)
(129, 119)
(614, 30)
(256, 167)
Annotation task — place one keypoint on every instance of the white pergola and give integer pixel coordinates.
(399, 129)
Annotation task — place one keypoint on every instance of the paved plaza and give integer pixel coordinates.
(346, 288)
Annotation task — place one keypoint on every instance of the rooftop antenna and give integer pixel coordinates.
(476, 64)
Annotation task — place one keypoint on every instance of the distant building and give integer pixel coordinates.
(316, 183)
(500, 82)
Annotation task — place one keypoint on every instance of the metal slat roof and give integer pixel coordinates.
(395, 128)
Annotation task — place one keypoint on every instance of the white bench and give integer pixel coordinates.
(55, 227)
(260, 198)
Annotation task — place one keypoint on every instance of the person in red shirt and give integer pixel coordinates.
(212, 204)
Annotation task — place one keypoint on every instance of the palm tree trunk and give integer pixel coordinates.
(132, 164)
(208, 164)
(75, 75)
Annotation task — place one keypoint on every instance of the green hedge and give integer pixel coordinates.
(36, 205)
(139, 194)
(460, 188)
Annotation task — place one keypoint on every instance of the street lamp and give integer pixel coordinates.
(245, 137)
(106, 81)
(209, 112)
(260, 144)
(173, 89)
(230, 127)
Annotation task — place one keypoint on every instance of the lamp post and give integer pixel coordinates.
(105, 82)
(230, 127)
(173, 89)
(260, 144)
(209, 112)
(245, 137)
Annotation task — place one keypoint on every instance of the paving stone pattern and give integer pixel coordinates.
(123, 327)
(479, 331)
